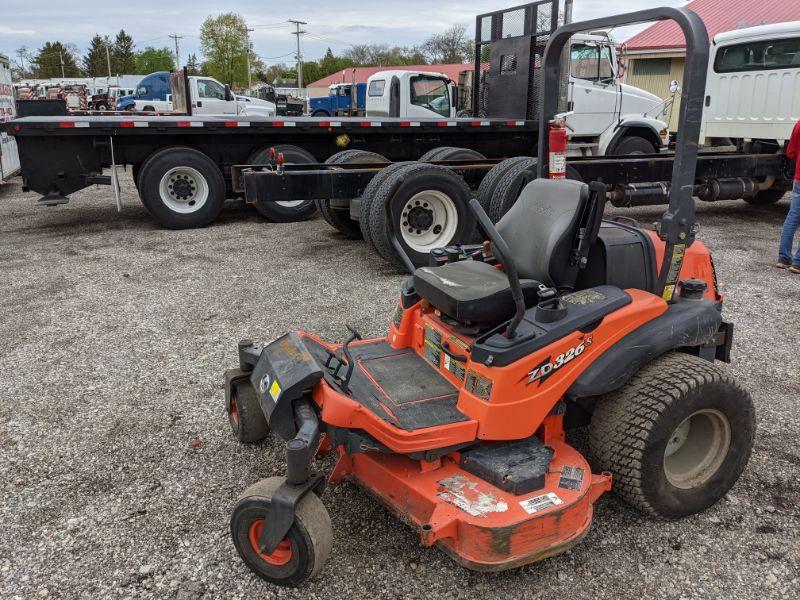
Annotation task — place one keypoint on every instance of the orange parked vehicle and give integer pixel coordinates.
(456, 419)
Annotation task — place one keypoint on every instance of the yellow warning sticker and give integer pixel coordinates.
(275, 390)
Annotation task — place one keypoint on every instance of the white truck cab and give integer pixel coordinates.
(605, 115)
(210, 97)
(411, 94)
(753, 86)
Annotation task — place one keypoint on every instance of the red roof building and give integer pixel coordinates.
(718, 16)
(320, 87)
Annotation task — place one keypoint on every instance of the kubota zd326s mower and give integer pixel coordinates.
(456, 419)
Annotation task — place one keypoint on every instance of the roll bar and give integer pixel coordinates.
(678, 223)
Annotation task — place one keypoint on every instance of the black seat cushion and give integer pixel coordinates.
(472, 291)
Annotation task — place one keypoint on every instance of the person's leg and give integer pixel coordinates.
(790, 228)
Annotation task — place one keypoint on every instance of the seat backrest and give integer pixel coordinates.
(552, 222)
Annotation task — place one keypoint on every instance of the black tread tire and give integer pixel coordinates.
(275, 212)
(311, 534)
(162, 161)
(340, 219)
(633, 145)
(248, 423)
(768, 196)
(451, 153)
(135, 172)
(369, 193)
(320, 114)
(631, 426)
(406, 181)
(149, 109)
(489, 183)
(102, 106)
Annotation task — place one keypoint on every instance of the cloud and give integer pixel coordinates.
(11, 31)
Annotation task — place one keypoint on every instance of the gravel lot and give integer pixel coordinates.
(117, 470)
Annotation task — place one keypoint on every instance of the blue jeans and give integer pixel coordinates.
(790, 228)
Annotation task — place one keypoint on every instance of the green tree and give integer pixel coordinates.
(224, 43)
(95, 63)
(123, 58)
(193, 65)
(48, 61)
(451, 46)
(152, 59)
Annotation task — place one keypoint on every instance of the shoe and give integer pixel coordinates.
(783, 263)
(795, 269)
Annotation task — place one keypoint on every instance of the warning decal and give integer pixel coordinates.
(534, 505)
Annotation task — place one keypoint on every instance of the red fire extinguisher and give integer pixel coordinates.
(558, 149)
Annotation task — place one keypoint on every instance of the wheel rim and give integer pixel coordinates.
(289, 203)
(183, 190)
(233, 410)
(428, 220)
(697, 448)
(281, 555)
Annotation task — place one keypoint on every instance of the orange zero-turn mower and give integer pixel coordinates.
(456, 419)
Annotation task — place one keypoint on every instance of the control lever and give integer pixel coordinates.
(503, 254)
(354, 335)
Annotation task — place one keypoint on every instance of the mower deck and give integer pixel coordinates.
(398, 386)
(481, 526)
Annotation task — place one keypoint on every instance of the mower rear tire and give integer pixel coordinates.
(676, 437)
(337, 218)
(432, 196)
(245, 416)
(289, 211)
(302, 553)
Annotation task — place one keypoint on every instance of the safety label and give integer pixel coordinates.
(534, 505)
(571, 478)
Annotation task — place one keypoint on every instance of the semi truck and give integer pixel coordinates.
(343, 100)
(9, 157)
(355, 170)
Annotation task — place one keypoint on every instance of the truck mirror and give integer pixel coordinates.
(229, 97)
(454, 94)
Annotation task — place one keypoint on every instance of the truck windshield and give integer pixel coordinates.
(592, 62)
(431, 93)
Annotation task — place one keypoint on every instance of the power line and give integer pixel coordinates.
(177, 37)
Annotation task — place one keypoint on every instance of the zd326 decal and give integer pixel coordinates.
(544, 370)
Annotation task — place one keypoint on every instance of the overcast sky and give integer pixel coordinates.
(334, 23)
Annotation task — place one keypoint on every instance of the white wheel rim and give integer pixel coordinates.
(289, 203)
(697, 448)
(183, 190)
(428, 220)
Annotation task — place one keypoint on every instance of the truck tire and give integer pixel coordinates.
(676, 437)
(101, 106)
(489, 183)
(429, 204)
(149, 109)
(337, 218)
(451, 153)
(633, 145)
(510, 186)
(320, 113)
(181, 188)
(288, 211)
(369, 194)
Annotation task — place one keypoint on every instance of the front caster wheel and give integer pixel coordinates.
(245, 416)
(304, 550)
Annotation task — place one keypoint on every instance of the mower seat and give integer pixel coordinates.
(542, 233)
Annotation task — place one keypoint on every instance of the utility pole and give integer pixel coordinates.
(177, 37)
(108, 59)
(566, 59)
(298, 33)
(21, 54)
(61, 58)
(247, 41)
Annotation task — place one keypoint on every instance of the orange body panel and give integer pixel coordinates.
(696, 264)
(481, 526)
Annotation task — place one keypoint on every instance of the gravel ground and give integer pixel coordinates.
(118, 471)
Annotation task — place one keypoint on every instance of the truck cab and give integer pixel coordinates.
(753, 85)
(411, 94)
(339, 101)
(208, 97)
